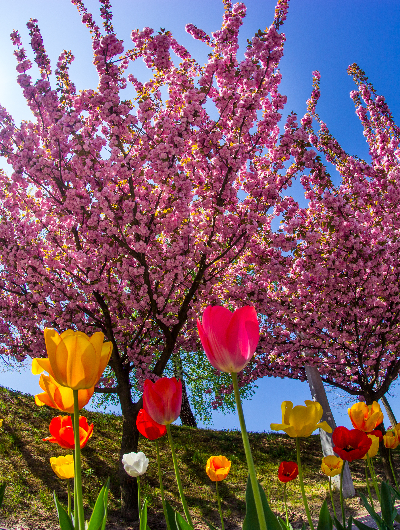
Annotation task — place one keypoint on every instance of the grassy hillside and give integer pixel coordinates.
(24, 464)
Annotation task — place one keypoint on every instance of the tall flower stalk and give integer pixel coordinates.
(79, 513)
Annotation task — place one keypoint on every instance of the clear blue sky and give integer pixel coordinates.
(323, 35)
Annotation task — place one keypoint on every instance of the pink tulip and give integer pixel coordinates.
(229, 339)
(162, 400)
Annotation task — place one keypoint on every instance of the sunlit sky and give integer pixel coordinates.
(324, 35)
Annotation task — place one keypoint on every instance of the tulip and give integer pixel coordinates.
(74, 360)
(148, 427)
(331, 465)
(63, 466)
(162, 400)
(229, 339)
(217, 468)
(63, 433)
(373, 450)
(288, 471)
(301, 421)
(60, 397)
(391, 439)
(365, 417)
(350, 444)
(135, 464)
(1, 422)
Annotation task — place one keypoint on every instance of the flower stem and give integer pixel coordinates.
(367, 482)
(249, 457)
(178, 478)
(303, 493)
(78, 478)
(69, 498)
(391, 467)
(373, 476)
(330, 493)
(138, 497)
(162, 487)
(341, 497)
(76, 517)
(219, 506)
(285, 501)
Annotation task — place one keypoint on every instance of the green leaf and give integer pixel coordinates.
(210, 526)
(371, 511)
(171, 516)
(251, 520)
(338, 524)
(182, 524)
(284, 525)
(362, 526)
(99, 514)
(389, 512)
(63, 517)
(350, 523)
(325, 519)
(143, 516)
(105, 499)
(2, 491)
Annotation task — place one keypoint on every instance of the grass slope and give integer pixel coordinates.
(24, 464)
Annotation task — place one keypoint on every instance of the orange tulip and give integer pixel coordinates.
(60, 397)
(365, 417)
(331, 465)
(218, 467)
(391, 439)
(74, 360)
(62, 432)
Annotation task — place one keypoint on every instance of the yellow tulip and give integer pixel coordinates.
(300, 421)
(331, 465)
(391, 439)
(60, 397)
(218, 467)
(365, 417)
(74, 360)
(373, 450)
(63, 466)
(1, 423)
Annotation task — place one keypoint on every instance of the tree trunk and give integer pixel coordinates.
(389, 411)
(187, 416)
(128, 484)
(384, 454)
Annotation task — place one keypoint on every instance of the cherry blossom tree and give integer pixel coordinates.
(334, 299)
(122, 215)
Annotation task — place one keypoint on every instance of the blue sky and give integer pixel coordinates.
(324, 35)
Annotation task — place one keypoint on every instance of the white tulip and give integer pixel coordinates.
(135, 464)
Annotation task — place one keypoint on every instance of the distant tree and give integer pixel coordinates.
(122, 215)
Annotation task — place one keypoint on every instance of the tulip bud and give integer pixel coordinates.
(135, 464)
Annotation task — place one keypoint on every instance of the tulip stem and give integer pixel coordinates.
(76, 517)
(373, 476)
(391, 467)
(178, 478)
(138, 496)
(69, 498)
(249, 457)
(162, 487)
(219, 506)
(285, 501)
(341, 497)
(303, 492)
(331, 495)
(367, 482)
(78, 477)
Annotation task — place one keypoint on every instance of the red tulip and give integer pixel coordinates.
(148, 427)
(229, 339)
(162, 400)
(63, 434)
(288, 471)
(350, 444)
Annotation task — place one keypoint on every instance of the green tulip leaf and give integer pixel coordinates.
(371, 511)
(2, 491)
(389, 512)
(171, 516)
(182, 524)
(63, 517)
(210, 526)
(99, 514)
(143, 516)
(284, 525)
(251, 520)
(362, 526)
(350, 523)
(325, 520)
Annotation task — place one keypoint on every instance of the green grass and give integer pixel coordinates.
(24, 464)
